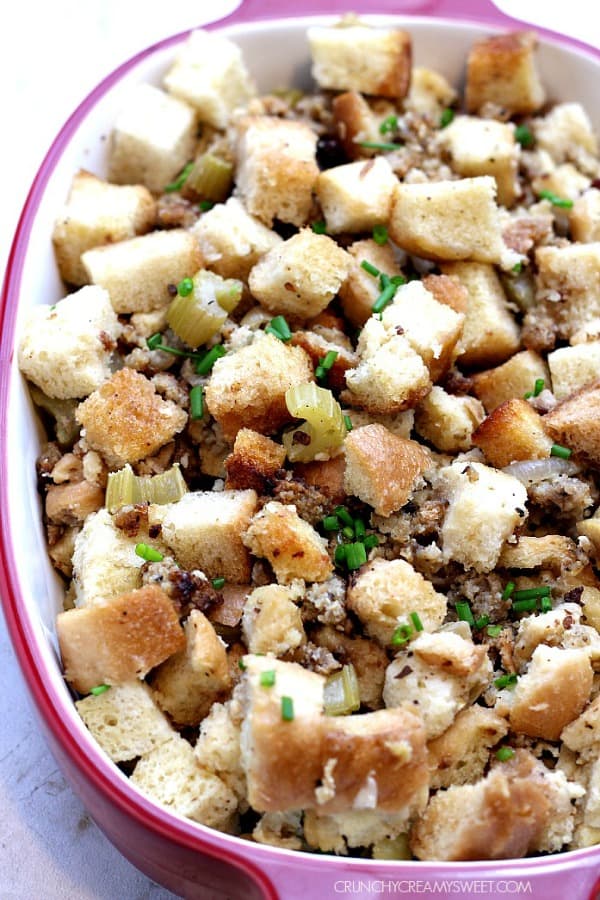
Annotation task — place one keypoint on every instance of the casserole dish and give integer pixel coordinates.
(189, 859)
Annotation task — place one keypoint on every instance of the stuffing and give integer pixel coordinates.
(566, 133)
(430, 93)
(254, 460)
(448, 421)
(584, 217)
(360, 290)
(501, 70)
(357, 196)
(484, 147)
(272, 622)
(513, 431)
(574, 422)
(572, 368)
(218, 746)
(461, 754)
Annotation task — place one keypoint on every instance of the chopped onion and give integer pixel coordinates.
(532, 471)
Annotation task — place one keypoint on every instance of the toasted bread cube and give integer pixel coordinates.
(126, 419)
(209, 73)
(318, 346)
(566, 133)
(326, 475)
(570, 275)
(218, 746)
(448, 220)
(551, 551)
(449, 651)
(291, 545)
(120, 640)
(449, 290)
(170, 775)
(254, 460)
(584, 218)
(490, 334)
(484, 508)
(385, 592)
(153, 138)
(360, 290)
(96, 213)
(356, 57)
(572, 368)
(65, 349)
(125, 721)
(501, 70)
(355, 122)
(574, 422)
(231, 240)
(359, 828)
(429, 93)
(514, 430)
(552, 693)
(357, 196)
(301, 276)
(590, 604)
(277, 168)
(189, 682)
(461, 754)
(204, 530)
(247, 388)
(583, 733)
(272, 622)
(382, 468)
(565, 181)
(137, 272)
(447, 421)
(514, 378)
(484, 147)
(73, 502)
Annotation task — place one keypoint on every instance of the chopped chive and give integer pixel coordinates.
(463, 611)
(348, 532)
(531, 593)
(280, 328)
(320, 373)
(154, 342)
(527, 395)
(218, 583)
(545, 604)
(507, 592)
(180, 180)
(384, 146)
(370, 268)
(390, 123)
(539, 386)
(99, 689)
(185, 287)
(267, 678)
(558, 450)
(148, 553)
(517, 268)
(494, 630)
(524, 136)
(329, 359)
(356, 556)
(348, 423)
(504, 753)
(446, 117)
(197, 402)
(241, 665)
(319, 227)
(555, 200)
(416, 620)
(384, 298)
(401, 635)
(331, 523)
(380, 234)
(287, 709)
(359, 529)
(340, 554)
(203, 366)
(371, 541)
(506, 681)
(482, 622)
(205, 205)
(344, 516)
(524, 605)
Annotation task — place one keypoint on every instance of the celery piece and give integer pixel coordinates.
(342, 695)
(324, 430)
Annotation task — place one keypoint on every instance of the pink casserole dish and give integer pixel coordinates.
(189, 859)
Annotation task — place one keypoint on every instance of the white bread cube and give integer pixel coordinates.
(448, 220)
(272, 622)
(355, 121)
(566, 182)
(357, 196)
(448, 421)
(231, 240)
(572, 368)
(291, 545)
(484, 508)
(501, 70)
(574, 422)
(276, 168)
(484, 147)
(125, 721)
(360, 290)
(356, 57)
(218, 746)
(549, 627)
(209, 73)
(153, 138)
(357, 828)
(136, 272)
(582, 734)
(590, 604)
(429, 93)
(204, 531)
(96, 213)
(61, 348)
(584, 218)
(461, 754)
(300, 276)
(490, 334)
(514, 378)
(571, 275)
(170, 775)
(566, 133)
(513, 431)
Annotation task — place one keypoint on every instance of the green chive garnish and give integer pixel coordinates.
(218, 583)
(380, 234)
(390, 123)
(267, 678)
(180, 180)
(401, 635)
(505, 681)
(504, 753)
(539, 386)
(545, 604)
(482, 622)
(148, 553)
(531, 593)
(463, 611)
(555, 200)
(242, 665)
(524, 136)
(524, 605)
(205, 205)
(204, 365)
(562, 452)
(329, 359)
(385, 297)
(384, 146)
(370, 268)
(280, 328)
(371, 541)
(344, 516)
(348, 532)
(359, 529)
(415, 619)
(99, 689)
(446, 117)
(287, 709)
(197, 402)
(340, 554)
(348, 423)
(154, 342)
(507, 592)
(319, 227)
(517, 268)
(331, 523)
(494, 630)
(356, 556)
(320, 373)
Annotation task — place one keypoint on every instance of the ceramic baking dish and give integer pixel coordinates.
(192, 860)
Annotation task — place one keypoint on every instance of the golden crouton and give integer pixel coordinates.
(551, 551)
(478, 146)
(514, 378)
(429, 93)
(327, 475)
(584, 217)
(354, 122)
(447, 420)
(382, 468)
(360, 290)
(119, 641)
(126, 419)
(247, 388)
(356, 196)
(461, 753)
(575, 422)
(572, 368)
(513, 431)
(272, 622)
(501, 70)
(449, 290)
(254, 460)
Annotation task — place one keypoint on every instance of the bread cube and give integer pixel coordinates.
(153, 138)
(447, 220)
(484, 508)
(356, 57)
(126, 419)
(490, 334)
(565, 181)
(125, 721)
(65, 349)
(357, 196)
(96, 213)
(120, 640)
(276, 168)
(566, 133)
(447, 421)
(360, 290)
(461, 754)
(231, 240)
(254, 460)
(319, 343)
(575, 422)
(381, 468)
(272, 622)
(429, 93)
(210, 75)
(513, 431)
(501, 70)
(218, 746)
(301, 276)
(354, 122)
(514, 378)
(583, 732)
(291, 545)
(448, 290)
(552, 551)
(137, 272)
(568, 284)
(204, 531)
(584, 217)
(572, 368)
(368, 658)
(484, 147)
